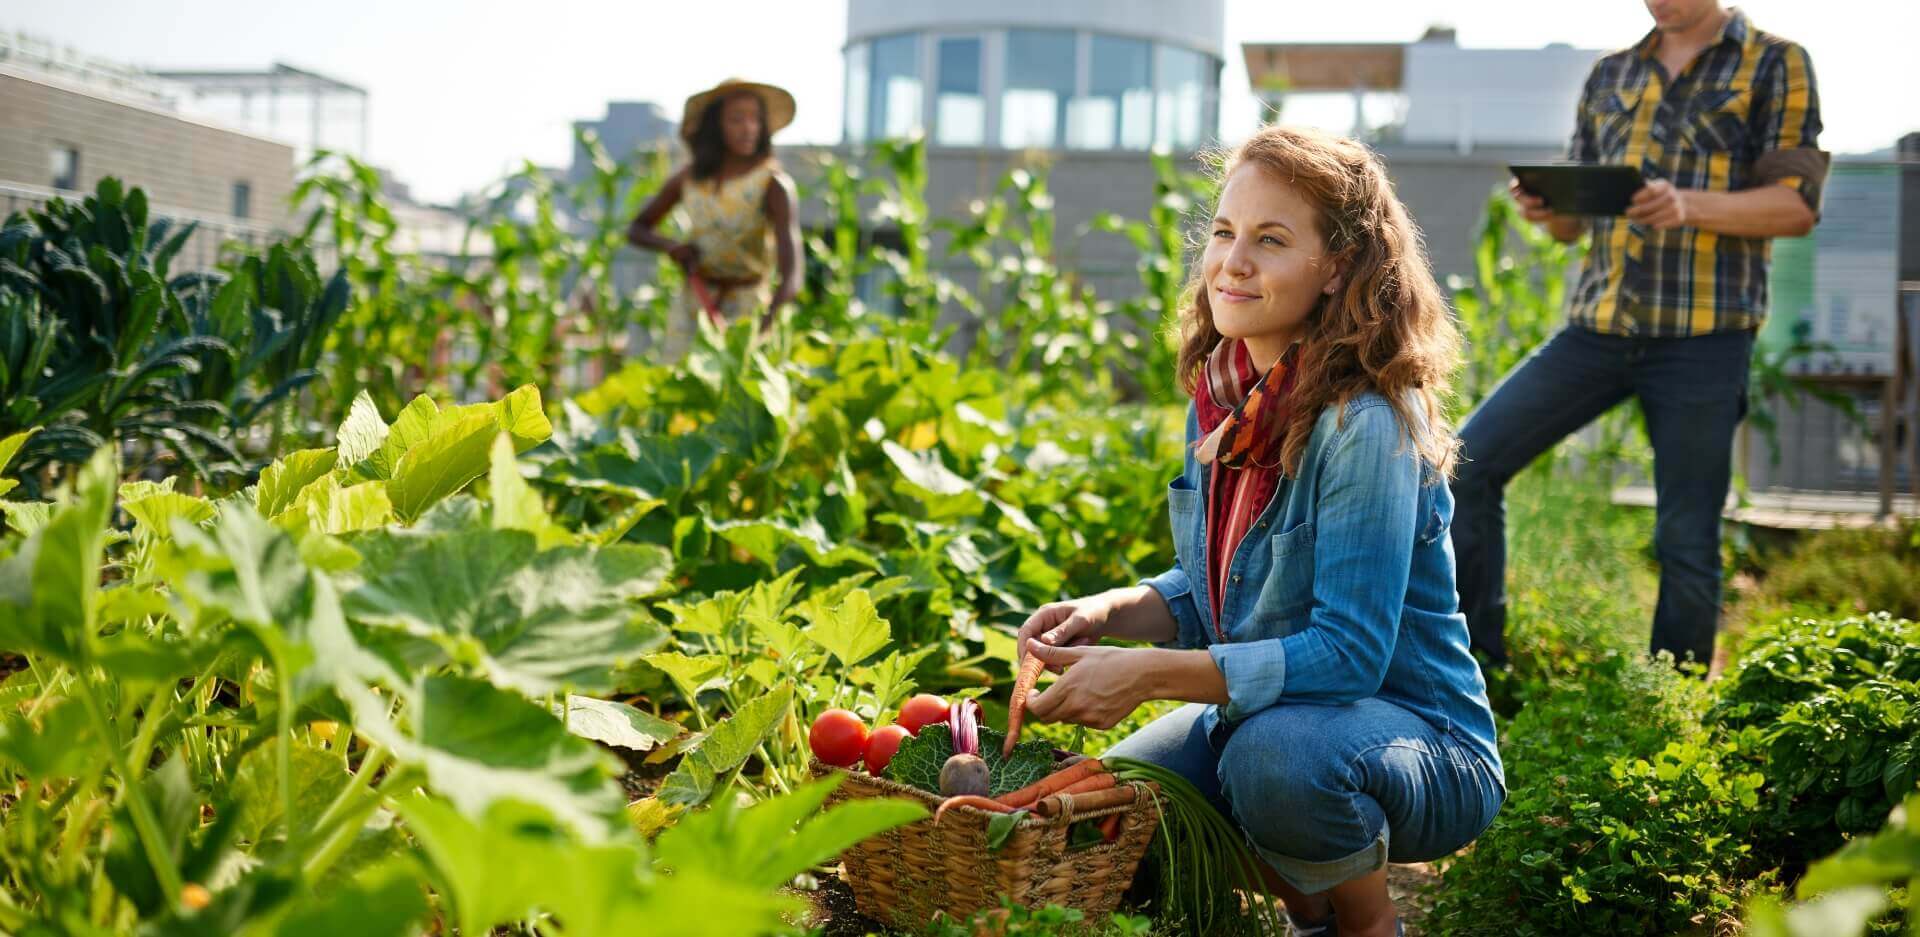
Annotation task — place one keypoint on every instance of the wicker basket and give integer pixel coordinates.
(906, 875)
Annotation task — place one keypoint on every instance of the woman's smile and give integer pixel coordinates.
(1228, 294)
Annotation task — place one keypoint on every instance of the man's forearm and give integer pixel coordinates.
(1566, 228)
(649, 239)
(1768, 211)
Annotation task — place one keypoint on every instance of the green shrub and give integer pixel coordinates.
(1830, 712)
(1624, 815)
(1848, 571)
(1578, 588)
(1868, 886)
(1012, 920)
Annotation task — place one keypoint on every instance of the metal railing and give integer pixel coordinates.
(212, 233)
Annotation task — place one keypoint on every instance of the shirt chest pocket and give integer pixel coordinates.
(1613, 111)
(1287, 594)
(1183, 516)
(1716, 121)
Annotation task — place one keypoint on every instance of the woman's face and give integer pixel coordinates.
(740, 124)
(1266, 262)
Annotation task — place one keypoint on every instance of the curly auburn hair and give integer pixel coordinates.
(1386, 328)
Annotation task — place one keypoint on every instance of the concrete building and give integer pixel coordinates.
(68, 121)
(1447, 119)
(311, 111)
(1084, 88)
(629, 126)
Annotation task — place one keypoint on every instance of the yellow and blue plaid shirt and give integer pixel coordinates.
(1743, 114)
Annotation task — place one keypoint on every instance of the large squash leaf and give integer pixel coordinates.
(527, 620)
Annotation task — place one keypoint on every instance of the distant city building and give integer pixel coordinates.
(629, 126)
(1455, 117)
(1006, 74)
(220, 148)
(1078, 88)
(68, 120)
(311, 111)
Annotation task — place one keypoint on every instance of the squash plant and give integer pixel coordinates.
(306, 706)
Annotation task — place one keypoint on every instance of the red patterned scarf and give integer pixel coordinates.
(1243, 418)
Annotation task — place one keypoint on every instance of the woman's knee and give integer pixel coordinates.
(1287, 780)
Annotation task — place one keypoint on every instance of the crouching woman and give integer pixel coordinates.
(1310, 619)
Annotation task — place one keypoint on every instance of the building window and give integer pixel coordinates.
(242, 200)
(1181, 102)
(959, 111)
(893, 103)
(857, 83)
(1117, 111)
(66, 167)
(1040, 81)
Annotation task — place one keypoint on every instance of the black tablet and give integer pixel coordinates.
(1580, 188)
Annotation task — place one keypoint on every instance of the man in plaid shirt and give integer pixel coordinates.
(1722, 121)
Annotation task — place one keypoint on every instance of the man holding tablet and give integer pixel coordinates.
(1721, 121)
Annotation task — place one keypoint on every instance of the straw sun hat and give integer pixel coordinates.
(776, 101)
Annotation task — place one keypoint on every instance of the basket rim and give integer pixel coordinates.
(1031, 820)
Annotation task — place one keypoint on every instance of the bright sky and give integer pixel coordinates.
(463, 90)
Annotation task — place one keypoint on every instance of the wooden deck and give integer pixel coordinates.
(1796, 510)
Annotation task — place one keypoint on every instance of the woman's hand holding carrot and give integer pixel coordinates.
(1100, 685)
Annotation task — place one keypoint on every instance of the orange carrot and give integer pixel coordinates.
(1017, 707)
(1087, 802)
(1098, 782)
(1054, 782)
(1110, 827)
(969, 800)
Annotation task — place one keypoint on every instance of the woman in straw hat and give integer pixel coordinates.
(740, 213)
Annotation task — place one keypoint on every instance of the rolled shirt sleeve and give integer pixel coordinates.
(1366, 518)
(1789, 124)
(1177, 591)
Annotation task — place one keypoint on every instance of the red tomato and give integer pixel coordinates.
(923, 710)
(882, 744)
(838, 738)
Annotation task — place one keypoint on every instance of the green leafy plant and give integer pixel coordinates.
(1843, 894)
(919, 759)
(1624, 815)
(99, 342)
(1829, 707)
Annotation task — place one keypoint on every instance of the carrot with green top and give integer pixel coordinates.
(1054, 783)
(1017, 707)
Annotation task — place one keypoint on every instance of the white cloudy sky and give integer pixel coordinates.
(462, 90)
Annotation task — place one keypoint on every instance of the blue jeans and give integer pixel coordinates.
(1693, 392)
(1326, 794)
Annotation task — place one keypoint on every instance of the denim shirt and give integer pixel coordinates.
(1350, 592)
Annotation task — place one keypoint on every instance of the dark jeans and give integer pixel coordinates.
(1693, 392)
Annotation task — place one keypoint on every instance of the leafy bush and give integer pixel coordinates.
(99, 343)
(1624, 816)
(1846, 572)
(1847, 892)
(298, 706)
(1831, 713)
(1578, 590)
(1012, 920)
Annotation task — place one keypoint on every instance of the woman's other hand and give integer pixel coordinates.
(1073, 623)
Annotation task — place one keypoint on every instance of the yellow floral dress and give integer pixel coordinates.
(726, 220)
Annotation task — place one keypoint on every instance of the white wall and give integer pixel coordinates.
(1469, 98)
